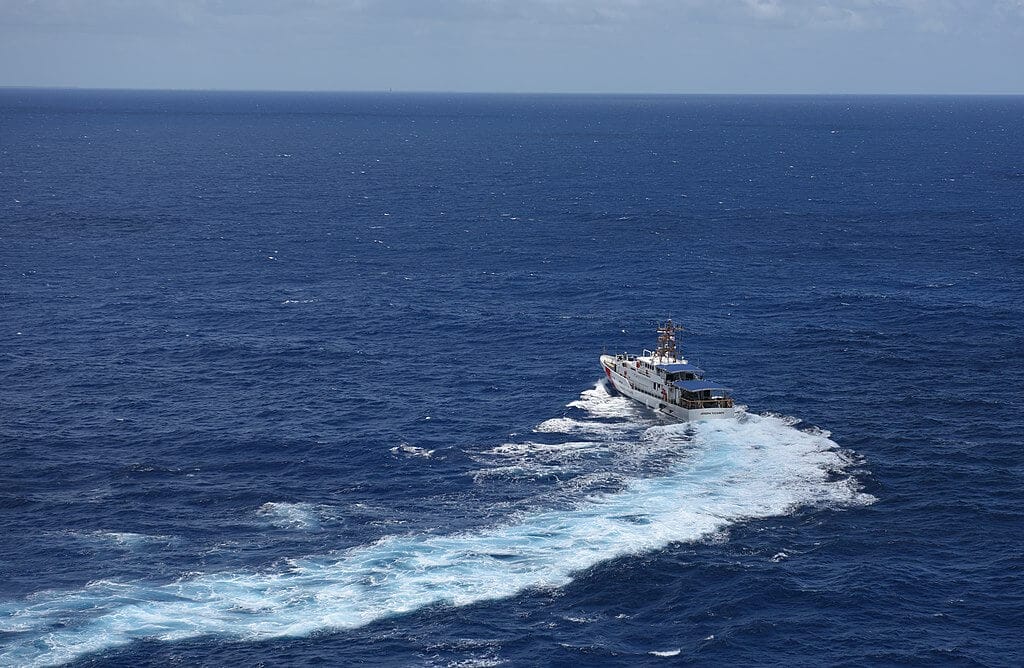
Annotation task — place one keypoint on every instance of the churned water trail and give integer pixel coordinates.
(735, 470)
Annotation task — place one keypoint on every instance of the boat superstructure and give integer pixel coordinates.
(663, 380)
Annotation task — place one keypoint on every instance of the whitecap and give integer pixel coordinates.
(579, 620)
(301, 516)
(126, 539)
(531, 448)
(411, 451)
(479, 662)
(565, 425)
(519, 472)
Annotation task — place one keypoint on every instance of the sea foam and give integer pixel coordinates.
(733, 471)
(599, 402)
(297, 516)
(566, 425)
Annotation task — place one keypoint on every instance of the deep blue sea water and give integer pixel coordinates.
(312, 379)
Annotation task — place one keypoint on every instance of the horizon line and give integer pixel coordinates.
(387, 91)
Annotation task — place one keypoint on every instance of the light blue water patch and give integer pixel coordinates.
(747, 468)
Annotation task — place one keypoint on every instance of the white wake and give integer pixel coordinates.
(733, 471)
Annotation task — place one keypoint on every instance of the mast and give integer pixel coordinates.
(667, 342)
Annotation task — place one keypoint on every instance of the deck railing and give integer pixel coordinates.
(693, 404)
(690, 404)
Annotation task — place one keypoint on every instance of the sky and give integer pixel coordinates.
(573, 46)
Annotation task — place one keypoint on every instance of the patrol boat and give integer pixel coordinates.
(665, 381)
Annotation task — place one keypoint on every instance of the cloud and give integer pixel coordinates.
(148, 15)
(556, 45)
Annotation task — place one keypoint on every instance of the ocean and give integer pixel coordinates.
(308, 379)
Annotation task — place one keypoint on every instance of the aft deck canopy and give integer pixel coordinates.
(676, 367)
(699, 385)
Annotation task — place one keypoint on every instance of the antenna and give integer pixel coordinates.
(667, 341)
